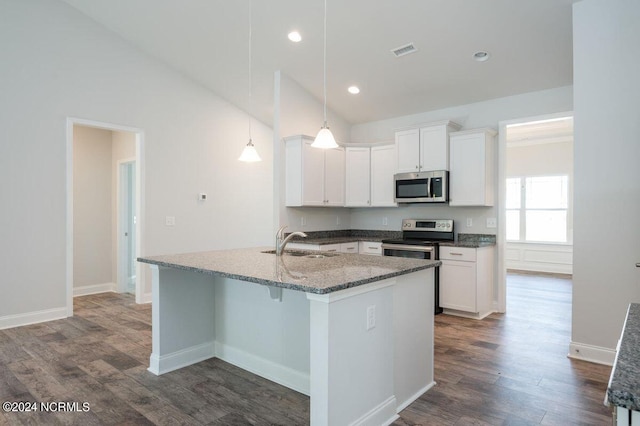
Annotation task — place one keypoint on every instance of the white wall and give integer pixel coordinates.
(607, 177)
(297, 112)
(476, 115)
(92, 207)
(58, 64)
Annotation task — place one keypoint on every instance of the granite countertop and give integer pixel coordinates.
(337, 237)
(624, 384)
(469, 244)
(311, 275)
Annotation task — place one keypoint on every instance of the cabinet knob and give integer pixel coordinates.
(638, 265)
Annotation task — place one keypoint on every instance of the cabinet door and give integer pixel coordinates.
(383, 161)
(349, 247)
(434, 148)
(358, 174)
(312, 175)
(408, 150)
(458, 285)
(333, 176)
(471, 175)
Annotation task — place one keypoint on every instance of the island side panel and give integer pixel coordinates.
(183, 329)
(352, 366)
(413, 337)
(267, 337)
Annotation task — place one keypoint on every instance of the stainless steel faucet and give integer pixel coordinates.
(282, 242)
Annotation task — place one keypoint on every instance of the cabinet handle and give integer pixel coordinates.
(455, 254)
(638, 265)
(331, 250)
(372, 248)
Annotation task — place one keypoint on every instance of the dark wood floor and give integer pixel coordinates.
(506, 369)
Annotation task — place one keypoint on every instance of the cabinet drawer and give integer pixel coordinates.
(458, 253)
(370, 247)
(349, 247)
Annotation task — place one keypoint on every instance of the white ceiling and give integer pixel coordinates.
(530, 42)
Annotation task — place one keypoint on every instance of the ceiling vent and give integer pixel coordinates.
(404, 50)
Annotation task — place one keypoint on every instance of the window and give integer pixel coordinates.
(537, 209)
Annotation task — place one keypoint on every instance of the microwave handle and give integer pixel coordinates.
(429, 188)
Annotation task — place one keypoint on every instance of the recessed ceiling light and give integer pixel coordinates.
(294, 36)
(354, 90)
(481, 56)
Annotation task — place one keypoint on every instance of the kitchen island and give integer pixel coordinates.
(354, 332)
(623, 391)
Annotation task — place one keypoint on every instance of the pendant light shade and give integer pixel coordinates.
(249, 153)
(325, 139)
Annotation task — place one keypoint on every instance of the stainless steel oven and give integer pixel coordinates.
(420, 239)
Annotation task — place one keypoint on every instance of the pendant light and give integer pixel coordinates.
(325, 138)
(249, 153)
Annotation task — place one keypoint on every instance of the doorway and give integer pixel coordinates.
(536, 198)
(104, 204)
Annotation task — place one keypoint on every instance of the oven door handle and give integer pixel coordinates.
(425, 249)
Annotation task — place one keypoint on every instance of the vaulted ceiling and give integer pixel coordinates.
(529, 42)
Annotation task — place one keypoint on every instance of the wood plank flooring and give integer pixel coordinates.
(507, 369)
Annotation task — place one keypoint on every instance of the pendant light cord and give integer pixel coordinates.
(325, 63)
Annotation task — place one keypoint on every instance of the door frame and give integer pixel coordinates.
(139, 204)
(502, 199)
(121, 243)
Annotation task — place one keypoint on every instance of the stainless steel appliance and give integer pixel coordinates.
(420, 239)
(422, 187)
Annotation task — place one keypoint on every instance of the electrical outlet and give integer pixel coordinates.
(492, 222)
(371, 317)
(303, 221)
(385, 221)
(337, 220)
(469, 222)
(170, 220)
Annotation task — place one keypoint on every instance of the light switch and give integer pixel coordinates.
(492, 222)
(469, 222)
(170, 221)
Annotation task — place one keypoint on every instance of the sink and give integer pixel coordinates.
(303, 253)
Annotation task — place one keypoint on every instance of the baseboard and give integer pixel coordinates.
(412, 398)
(383, 414)
(19, 320)
(464, 314)
(163, 364)
(86, 290)
(285, 376)
(595, 354)
(146, 298)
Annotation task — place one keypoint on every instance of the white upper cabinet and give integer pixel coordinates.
(424, 148)
(333, 176)
(358, 177)
(383, 167)
(471, 178)
(314, 177)
(369, 176)
(408, 150)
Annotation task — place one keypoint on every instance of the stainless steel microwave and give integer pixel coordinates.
(422, 187)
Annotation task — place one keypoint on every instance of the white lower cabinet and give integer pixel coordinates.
(466, 281)
(362, 247)
(370, 247)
